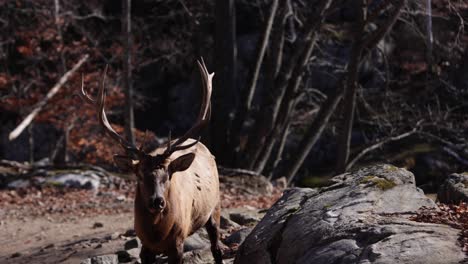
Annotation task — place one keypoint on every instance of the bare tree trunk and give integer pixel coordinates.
(244, 109)
(288, 101)
(329, 106)
(225, 88)
(429, 41)
(350, 94)
(263, 120)
(313, 133)
(60, 35)
(59, 156)
(344, 140)
(31, 143)
(287, 84)
(127, 69)
(279, 151)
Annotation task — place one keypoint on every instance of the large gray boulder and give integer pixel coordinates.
(361, 218)
(454, 190)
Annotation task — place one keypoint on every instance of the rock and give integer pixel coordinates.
(124, 256)
(112, 236)
(130, 233)
(18, 184)
(120, 198)
(454, 190)
(104, 259)
(281, 183)
(245, 217)
(98, 225)
(226, 223)
(86, 261)
(246, 183)
(133, 243)
(238, 237)
(84, 179)
(361, 218)
(197, 241)
(201, 256)
(15, 255)
(134, 253)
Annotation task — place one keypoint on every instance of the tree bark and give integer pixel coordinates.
(224, 89)
(279, 151)
(320, 122)
(287, 84)
(263, 122)
(127, 69)
(244, 109)
(429, 41)
(313, 133)
(349, 101)
(358, 52)
(288, 102)
(31, 143)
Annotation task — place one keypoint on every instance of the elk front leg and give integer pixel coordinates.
(176, 253)
(146, 256)
(213, 232)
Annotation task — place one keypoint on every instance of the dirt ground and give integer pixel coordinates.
(59, 239)
(59, 225)
(63, 225)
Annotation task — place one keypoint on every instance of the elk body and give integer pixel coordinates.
(178, 188)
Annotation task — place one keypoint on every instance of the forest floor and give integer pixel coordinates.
(64, 225)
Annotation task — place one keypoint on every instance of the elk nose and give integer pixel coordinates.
(159, 203)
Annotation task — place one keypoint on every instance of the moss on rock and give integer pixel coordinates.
(380, 183)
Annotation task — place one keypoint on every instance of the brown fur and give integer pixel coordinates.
(192, 202)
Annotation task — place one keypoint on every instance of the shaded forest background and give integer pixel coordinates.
(303, 89)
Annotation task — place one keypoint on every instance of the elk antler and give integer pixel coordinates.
(131, 150)
(203, 116)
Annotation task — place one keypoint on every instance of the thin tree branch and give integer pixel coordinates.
(377, 145)
(38, 107)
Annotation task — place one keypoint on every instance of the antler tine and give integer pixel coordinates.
(203, 115)
(83, 93)
(131, 150)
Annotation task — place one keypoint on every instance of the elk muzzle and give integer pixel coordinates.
(157, 204)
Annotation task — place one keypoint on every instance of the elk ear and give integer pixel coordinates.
(124, 163)
(181, 163)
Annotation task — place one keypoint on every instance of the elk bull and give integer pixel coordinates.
(178, 187)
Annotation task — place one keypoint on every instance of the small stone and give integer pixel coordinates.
(281, 183)
(238, 237)
(195, 242)
(134, 243)
(49, 246)
(86, 261)
(134, 252)
(225, 223)
(243, 218)
(130, 233)
(105, 259)
(120, 198)
(124, 256)
(15, 255)
(112, 236)
(98, 225)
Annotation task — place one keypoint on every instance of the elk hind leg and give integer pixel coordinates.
(212, 227)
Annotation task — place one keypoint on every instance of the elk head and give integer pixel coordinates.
(154, 172)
